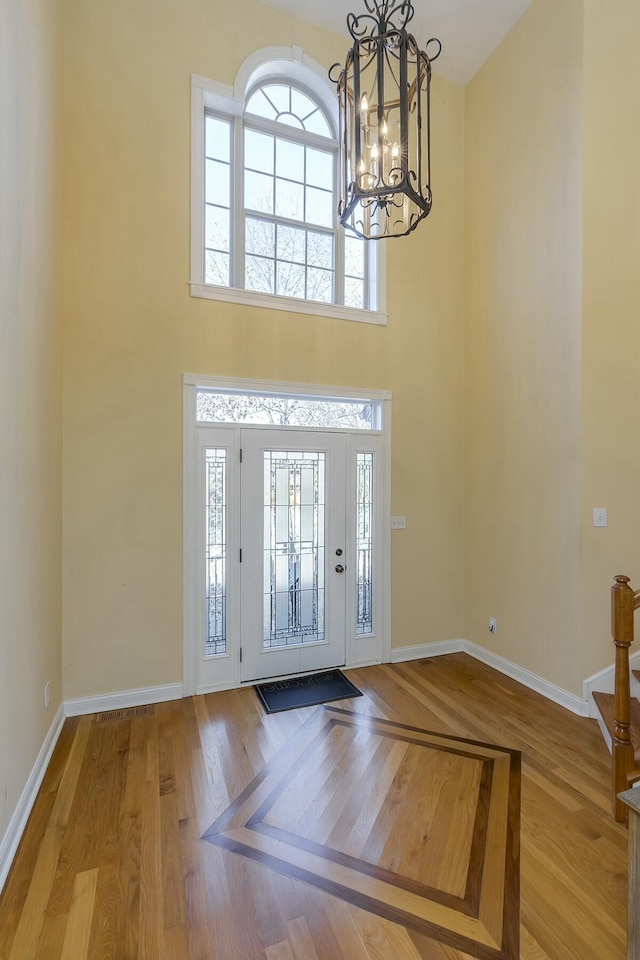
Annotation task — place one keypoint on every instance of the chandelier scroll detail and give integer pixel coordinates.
(385, 123)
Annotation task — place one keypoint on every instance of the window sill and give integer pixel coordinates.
(209, 291)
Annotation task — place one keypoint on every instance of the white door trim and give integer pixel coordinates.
(356, 654)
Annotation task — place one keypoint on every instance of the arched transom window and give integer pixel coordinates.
(270, 221)
(287, 104)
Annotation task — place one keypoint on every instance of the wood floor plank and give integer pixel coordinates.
(492, 898)
(263, 898)
(340, 918)
(51, 940)
(76, 938)
(174, 909)
(103, 941)
(531, 948)
(332, 822)
(93, 819)
(301, 940)
(130, 832)
(362, 779)
(328, 942)
(151, 942)
(383, 939)
(374, 800)
(183, 728)
(176, 943)
(200, 915)
(308, 798)
(280, 951)
(166, 764)
(208, 768)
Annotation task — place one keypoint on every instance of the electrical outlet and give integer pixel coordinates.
(46, 695)
(493, 625)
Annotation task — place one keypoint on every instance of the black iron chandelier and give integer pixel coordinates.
(384, 94)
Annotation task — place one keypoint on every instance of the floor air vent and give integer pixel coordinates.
(129, 714)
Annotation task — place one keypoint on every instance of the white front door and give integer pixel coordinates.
(293, 542)
(286, 552)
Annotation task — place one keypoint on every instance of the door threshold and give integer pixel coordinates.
(292, 676)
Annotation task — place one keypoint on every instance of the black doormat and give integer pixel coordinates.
(305, 691)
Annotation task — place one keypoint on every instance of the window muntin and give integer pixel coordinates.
(270, 219)
(286, 104)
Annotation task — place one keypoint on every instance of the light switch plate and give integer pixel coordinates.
(398, 523)
(600, 517)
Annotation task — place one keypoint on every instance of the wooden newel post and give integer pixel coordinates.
(622, 609)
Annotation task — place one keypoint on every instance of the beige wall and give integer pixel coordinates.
(30, 387)
(131, 330)
(611, 322)
(523, 344)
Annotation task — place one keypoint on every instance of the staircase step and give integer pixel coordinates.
(605, 702)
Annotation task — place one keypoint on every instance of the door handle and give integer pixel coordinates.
(339, 568)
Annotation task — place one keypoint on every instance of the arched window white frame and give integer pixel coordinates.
(264, 217)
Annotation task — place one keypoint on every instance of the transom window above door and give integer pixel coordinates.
(267, 229)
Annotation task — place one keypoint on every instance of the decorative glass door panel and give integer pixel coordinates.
(293, 585)
(294, 486)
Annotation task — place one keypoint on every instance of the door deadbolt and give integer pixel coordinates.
(338, 552)
(339, 568)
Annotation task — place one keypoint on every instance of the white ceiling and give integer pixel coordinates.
(470, 30)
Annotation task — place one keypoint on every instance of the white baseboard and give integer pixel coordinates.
(13, 834)
(122, 700)
(604, 682)
(423, 651)
(531, 680)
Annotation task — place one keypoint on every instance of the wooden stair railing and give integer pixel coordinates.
(624, 603)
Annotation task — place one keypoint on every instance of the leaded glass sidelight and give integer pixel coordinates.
(364, 542)
(216, 550)
(294, 548)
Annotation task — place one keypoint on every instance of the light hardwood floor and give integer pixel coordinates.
(201, 831)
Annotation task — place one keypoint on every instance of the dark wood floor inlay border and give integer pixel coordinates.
(483, 921)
